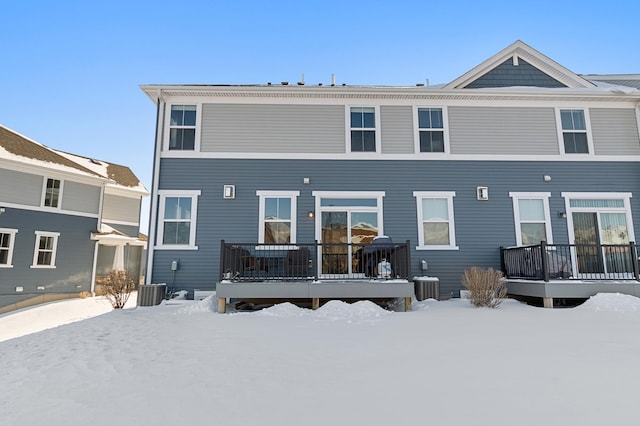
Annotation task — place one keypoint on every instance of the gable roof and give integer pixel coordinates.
(16, 147)
(629, 80)
(517, 52)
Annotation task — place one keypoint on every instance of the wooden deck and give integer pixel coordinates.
(314, 290)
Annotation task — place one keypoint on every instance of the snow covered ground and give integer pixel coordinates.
(445, 363)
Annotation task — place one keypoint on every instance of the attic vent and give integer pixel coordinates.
(515, 60)
(95, 161)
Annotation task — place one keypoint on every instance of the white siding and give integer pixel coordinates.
(79, 197)
(615, 131)
(503, 130)
(20, 188)
(273, 128)
(121, 209)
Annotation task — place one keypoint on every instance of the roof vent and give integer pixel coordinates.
(94, 161)
(284, 83)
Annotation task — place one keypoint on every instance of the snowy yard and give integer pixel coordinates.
(444, 363)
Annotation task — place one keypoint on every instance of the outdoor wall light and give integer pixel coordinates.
(311, 214)
(562, 214)
(1, 210)
(229, 192)
(306, 181)
(483, 193)
(547, 178)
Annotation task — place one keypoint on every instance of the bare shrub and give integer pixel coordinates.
(117, 287)
(486, 286)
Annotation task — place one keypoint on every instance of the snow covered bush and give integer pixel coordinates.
(117, 288)
(486, 286)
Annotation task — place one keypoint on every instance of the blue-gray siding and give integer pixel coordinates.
(74, 258)
(481, 226)
(507, 74)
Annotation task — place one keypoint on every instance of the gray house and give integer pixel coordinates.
(65, 222)
(281, 190)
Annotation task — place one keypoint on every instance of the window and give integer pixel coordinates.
(436, 230)
(277, 217)
(363, 129)
(431, 130)
(7, 238)
(52, 190)
(182, 128)
(44, 255)
(531, 217)
(575, 138)
(177, 223)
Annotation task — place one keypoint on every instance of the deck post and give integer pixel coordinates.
(408, 251)
(544, 260)
(634, 260)
(407, 304)
(222, 260)
(222, 305)
(315, 303)
(316, 255)
(547, 302)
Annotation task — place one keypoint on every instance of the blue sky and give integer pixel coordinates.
(70, 70)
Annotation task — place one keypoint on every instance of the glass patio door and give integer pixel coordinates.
(344, 232)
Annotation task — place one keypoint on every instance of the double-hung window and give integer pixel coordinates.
(277, 217)
(177, 219)
(44, 255)
(52, 192)
(431, 136)
(182, 128)
(436, 228)
(7, 239)
(531, 217)
(574, 129)
(363, 129)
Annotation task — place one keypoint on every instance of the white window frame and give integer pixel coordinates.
(45, 180)
(420, 195)
(417, 129)
(168, 127)
(587, 123)
(12, 239)
(164, 194)
(293, 196)
(54, 250)
(348, 129)
(544, 196)
(625, 196)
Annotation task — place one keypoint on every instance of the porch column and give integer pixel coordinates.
(407, 304)
(548, 302)
(222, 305)
(315, 303)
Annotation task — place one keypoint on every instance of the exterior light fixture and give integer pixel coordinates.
(311, 214)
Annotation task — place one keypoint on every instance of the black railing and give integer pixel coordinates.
(314, 261)
(571, 261)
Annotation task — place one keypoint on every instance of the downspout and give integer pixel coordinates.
(153, 214)
(95, 249)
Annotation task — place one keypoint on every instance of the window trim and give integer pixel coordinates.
(45, 181)
(12, 240)
(449, 195)
(168, 127)
(164, 194)
(587, 124)
(348, 128)
(544, 196)
(54, 251)
(416, 130)
(293, 196)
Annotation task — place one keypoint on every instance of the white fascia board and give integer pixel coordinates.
(54, 171)
(125, 191)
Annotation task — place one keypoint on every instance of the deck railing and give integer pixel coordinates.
(571, 261)
(314, 261)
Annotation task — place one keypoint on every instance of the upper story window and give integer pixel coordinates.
(177, 223)
(431, 136)
(44, 255)
(363, 129)
(7, 238)
(436, 228)
(574, 129)
(52, 191)
(182, 128)
(277, 217)
(531, 217)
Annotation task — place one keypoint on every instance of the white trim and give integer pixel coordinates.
(154, 200)
(293, 196)
(43, 195)
(448, 195)
(544, 196)
(12, 239)
(36, 251)
(560, 131)
(50, 210)
(377, 131)
(445, 129)
(197, 127)
(121, 222)
(163, 194)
